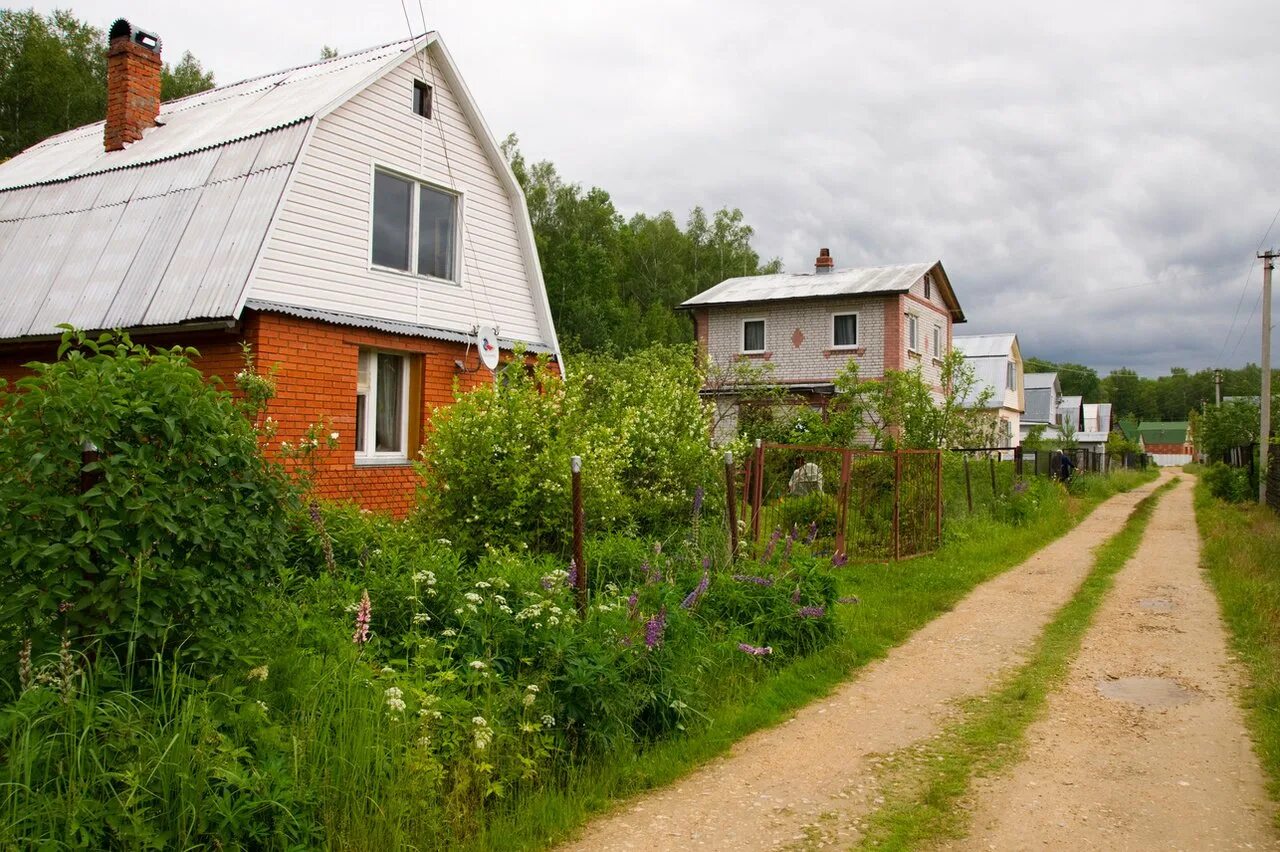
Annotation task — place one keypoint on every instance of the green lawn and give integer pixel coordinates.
(895, 600)
(1241, 554)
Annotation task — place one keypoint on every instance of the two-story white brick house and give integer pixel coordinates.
(808, 326)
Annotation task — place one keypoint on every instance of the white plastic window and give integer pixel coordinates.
(382, 407)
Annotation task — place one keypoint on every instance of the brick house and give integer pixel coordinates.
(353, 220)
(808, 326)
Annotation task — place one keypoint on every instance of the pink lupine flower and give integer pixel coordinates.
(754, 650)
(361, 636)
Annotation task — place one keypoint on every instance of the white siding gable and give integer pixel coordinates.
(318, 253)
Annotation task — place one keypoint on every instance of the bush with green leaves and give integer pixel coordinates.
(182, 519)
(496, 462)
(1228, 483)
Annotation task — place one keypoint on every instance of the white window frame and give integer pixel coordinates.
(1010, 376)
(417, 182)
(370, 455)
(913, 333)
(857, 329)
(764, 336)
(937, 341)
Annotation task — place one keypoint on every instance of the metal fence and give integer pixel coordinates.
(1049, 462)
(878, 504)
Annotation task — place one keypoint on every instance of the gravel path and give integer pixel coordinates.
(810, 779)
(1145, 746)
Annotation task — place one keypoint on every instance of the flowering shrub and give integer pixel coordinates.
(496, 462)
(181, 519)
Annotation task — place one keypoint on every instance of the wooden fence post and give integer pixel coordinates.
(579, 565)
(757, 492)
(842, 506)
(937, 506)
(897, 502)
(968, 486)
(730, 495)
(1017, 461)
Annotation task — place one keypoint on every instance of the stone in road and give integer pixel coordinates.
(1145, 746)
(815, 773)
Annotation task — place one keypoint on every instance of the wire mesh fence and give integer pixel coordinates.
(871, 504)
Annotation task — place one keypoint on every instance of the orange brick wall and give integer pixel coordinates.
(316, 383)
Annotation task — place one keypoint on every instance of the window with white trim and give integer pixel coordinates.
(1010, 377)
(844, 331)
(382, 406)
(913, 332)
(928, 286)
(414, 227)
(937, 342)
(753, 336)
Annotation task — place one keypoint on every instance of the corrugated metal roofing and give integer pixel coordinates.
(811, 285)
(1069, 409)
(202, 121)
(391, 326)
(1097, 417)
(985, 345)
(170, 242)
(1039, 380)
(990, 376)
(1039, 402)
(1163, 432)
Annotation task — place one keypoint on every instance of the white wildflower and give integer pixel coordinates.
(396, 705)
(448, 631)
(481, 584)
(473, 597)
(533, 687)
(333, 436)
(389, 670)
(529, 698)
(478, 665)
(444, 541)
(505, 609)
(262, 705)
(421, 618)
(548, 721)
(258, 673)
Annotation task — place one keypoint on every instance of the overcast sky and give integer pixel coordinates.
(1094, 176)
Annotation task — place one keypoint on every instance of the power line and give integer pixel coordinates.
(1244, 289)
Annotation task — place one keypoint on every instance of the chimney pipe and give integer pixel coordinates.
(133, 84)
(824, 263)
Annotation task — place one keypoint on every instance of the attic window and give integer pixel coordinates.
(422, 98)
(928, 286)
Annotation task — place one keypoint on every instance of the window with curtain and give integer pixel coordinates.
(382, 406)
(753, 335)
(845, 330)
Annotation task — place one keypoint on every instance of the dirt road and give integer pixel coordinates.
(1145, 746)
(811, 778)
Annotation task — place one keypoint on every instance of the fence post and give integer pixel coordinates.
(937, 504)
(757, 492)
(992, 461)
(746, 487)
(579, 566)
(1017, 461)
(968, 486)
(730, 502)
(897, 501)
(842, 506)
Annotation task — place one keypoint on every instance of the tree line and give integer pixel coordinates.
(53, 76)
(1170, 397)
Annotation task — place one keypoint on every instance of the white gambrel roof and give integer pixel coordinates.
(169, 229)
(862, 281)
(985, 345)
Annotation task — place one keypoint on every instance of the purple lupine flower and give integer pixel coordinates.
(691, 600)
(786, 548)
(633, 604)
(795, 596)
(851, 599)
(571, 580)
(706, 563)
(653, 629)
(652, 573)
(811, 611)
(755, 651)
(773, 542)
(363, 612)
(813, 533)
(839, 559)
(747, 578)
(1020, 486)
(697, 501)
(546, 583)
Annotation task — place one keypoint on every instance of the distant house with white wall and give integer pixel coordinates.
(1070, 415)
(1043, 394)
(1095, 426)
(809, 325)
(996, 360)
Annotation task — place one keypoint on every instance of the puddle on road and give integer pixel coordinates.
(1156, 692)
(1155, 604)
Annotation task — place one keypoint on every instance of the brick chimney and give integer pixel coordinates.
(824, 263)
(133, 84)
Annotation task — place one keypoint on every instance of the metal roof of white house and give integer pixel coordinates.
(167, 230)
(985, 345)
(809, 285)
(205, 120)
(1039, 380)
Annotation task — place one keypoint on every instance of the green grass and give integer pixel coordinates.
(895, 601)
(1241, 554)
(923, 797)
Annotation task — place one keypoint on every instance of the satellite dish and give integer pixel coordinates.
(488, 346)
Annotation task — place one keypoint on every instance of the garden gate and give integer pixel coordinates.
(881, 503)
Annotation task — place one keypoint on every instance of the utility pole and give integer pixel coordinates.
(1264, 434)
(1217, 388)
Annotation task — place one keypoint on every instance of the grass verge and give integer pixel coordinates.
(1240, 553)
(896, 600)
(921, 804)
